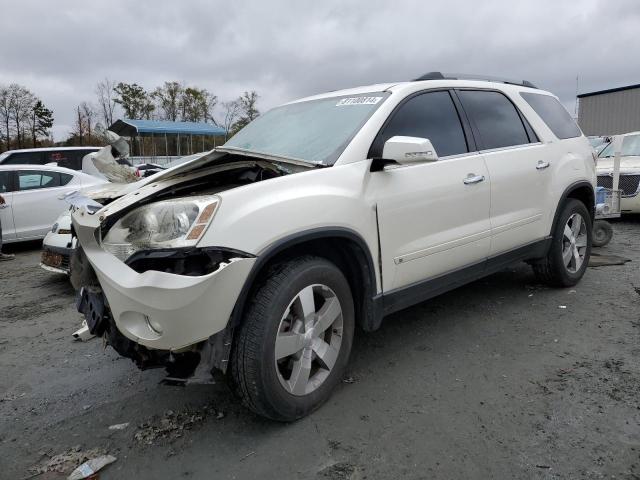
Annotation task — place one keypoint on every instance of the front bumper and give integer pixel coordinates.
(56, 253)
(162, 310)
(56, 260)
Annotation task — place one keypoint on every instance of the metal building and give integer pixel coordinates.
(610, 112)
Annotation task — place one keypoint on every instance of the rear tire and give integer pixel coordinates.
(293, 345)
(570, 249)
(602, 233)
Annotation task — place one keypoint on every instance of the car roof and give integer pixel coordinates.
(49, 149)
(31, 166)
(400, 87)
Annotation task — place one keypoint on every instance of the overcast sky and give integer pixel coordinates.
(289, 49)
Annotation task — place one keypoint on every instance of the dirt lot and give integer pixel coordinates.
(503, 378)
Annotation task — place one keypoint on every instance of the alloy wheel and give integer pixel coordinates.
(574, 243)
(309, 339)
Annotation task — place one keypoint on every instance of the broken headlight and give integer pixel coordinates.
(166, 224)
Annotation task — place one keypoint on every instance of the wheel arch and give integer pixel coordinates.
(583, 191)
(342, 246)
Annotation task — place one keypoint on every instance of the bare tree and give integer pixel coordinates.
(88, 112)
(106, 100)
(79, 126)
(232, 111)
(5, 115)
(22, 102)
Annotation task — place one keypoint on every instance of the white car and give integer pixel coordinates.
(33, 196)
(59, 244)
(629, 181)
(67, 157)
(261, 256)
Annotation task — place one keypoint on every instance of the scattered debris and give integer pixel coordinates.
(66, 461)
(543, 466)
(90, 467)
(348, 380)
(83, 334)
(562, 306)
(119, 426)
(247, 456)
(338, 471)
(11, 398)
(637, 289)
(599, 260)
(171, 425)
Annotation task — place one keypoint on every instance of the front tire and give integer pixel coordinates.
(293, 345)
(570, 249)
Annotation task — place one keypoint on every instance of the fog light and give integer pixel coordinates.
(153, 326)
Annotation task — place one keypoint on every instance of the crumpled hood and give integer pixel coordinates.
(629, 164)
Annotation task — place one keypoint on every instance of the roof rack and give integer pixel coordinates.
(463, 76)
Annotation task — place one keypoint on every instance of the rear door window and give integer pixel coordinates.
(431, 115)
(35, 179)
(554, 115)
(496, 120)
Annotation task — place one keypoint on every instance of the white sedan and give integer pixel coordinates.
(34, 198)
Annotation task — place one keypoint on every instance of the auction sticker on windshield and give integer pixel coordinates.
(358, 101)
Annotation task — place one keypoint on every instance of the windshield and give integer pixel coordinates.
(630, 146)
(316, 131)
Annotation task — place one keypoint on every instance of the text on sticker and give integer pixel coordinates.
(358, 101)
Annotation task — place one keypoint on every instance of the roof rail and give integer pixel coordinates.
(464, 76)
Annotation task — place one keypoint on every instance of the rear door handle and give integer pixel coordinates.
(542, 165)
(473, 178)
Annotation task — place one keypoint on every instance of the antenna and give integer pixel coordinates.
(575, 109)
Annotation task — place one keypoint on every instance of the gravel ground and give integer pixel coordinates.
(503, 378)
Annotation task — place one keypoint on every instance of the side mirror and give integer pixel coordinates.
(409, 150)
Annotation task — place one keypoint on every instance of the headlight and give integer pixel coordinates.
(166, 224)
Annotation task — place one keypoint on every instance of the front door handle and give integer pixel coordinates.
(473, 178)
(542, 165)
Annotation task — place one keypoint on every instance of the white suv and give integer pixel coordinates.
(259, 258)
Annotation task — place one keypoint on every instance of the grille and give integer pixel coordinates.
(65, 262)
(628, 183)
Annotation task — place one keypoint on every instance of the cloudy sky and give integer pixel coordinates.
(288, 49)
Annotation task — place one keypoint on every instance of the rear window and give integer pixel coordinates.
(32, 158)
(554, 115)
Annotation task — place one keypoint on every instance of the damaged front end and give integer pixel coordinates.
(145, 282)
(192, 364)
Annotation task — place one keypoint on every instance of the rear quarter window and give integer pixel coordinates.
(553, 114)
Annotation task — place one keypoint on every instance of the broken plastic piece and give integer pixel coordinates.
(90, 467)
(83, 333)
(119, 426)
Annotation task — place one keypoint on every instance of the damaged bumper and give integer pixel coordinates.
(160, 310)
